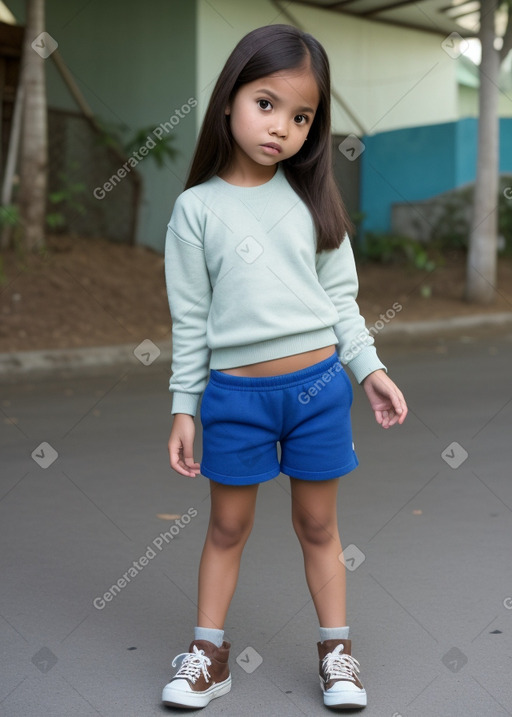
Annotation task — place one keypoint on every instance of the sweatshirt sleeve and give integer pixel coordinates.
(336, 271)
(189, 292)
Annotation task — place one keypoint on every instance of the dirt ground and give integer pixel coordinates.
(89, 292)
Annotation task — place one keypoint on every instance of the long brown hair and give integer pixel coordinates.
(263, 52)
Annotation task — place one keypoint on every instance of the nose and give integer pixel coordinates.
(278, 127)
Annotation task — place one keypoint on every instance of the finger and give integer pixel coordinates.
(400, 408)
(405, 410)
(402, 414)
(396, 402)
(177, 463)
(188, 463)
(189, 467)
(187, 471)
(187, 455)
(398, 405)
(394, 418)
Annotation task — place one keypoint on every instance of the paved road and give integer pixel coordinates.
(427, 516)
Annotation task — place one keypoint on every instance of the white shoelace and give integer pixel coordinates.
(193, 664)
(338, 666)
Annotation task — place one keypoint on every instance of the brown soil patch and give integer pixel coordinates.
(89, 292)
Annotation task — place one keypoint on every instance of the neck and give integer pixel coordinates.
(243, 172)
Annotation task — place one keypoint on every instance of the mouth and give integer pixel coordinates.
(272, 147)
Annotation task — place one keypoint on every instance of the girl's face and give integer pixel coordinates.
(270, 118)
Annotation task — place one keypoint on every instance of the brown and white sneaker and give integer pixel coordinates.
(202, 676)
(340, 684)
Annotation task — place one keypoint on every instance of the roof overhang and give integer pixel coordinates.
(441, 17)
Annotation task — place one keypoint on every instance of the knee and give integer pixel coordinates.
(229, 532)
(313, 531)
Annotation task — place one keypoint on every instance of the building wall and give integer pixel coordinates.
(468, 102)
(412, 164)
(135, 64)
(390, 77)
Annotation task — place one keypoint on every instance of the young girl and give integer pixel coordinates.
(262, 291)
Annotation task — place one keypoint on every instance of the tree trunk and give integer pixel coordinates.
(482, 255)
(34, 138)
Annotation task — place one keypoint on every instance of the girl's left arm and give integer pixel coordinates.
(337, 274)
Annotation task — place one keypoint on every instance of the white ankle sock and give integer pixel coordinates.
(334, 633)
(210, 634)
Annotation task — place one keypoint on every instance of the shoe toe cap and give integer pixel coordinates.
(175, 686)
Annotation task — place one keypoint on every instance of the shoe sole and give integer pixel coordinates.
(337, 702)
(172, 697)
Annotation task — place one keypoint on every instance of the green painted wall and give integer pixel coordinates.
(135, 63)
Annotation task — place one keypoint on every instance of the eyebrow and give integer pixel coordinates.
(276, 98)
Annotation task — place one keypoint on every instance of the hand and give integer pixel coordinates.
(181, 445)
(386, 399)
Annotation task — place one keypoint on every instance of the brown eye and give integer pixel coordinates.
(301, 119)
(266, 104)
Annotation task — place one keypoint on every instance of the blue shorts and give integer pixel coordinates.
(307, 411)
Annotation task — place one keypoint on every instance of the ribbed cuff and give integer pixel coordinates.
(185, 403)
(365, 363)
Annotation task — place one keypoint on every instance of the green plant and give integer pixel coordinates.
(393, 248)
(10, 228)
(9, 216)
(159, 148)
(68, 197)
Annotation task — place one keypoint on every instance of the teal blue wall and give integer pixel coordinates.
(135, 64)
(419, 162)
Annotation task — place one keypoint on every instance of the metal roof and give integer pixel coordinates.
(438, 16)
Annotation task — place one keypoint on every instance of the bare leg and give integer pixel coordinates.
(231, 521)
(314, 518)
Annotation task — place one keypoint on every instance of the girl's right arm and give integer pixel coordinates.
(189, 293)
(181, 445)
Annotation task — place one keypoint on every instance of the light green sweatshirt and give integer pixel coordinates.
(245, 285)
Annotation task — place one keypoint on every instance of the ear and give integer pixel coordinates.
(227, 111)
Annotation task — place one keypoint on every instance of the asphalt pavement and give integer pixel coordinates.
(101, 545)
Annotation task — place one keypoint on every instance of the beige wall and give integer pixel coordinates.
(389, 77)
(468, 102)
